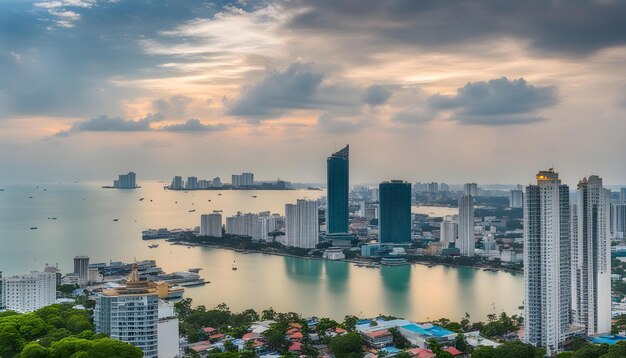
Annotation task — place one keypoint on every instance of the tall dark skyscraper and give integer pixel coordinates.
(395, 212)
(338, 186)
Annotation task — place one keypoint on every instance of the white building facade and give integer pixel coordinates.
(466, 241)
(591, 257)
(302, 224)
(211, 225)
(547, 272)
(30, 292)
(448, 231)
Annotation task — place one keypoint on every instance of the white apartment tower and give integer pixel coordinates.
(547, 253)
(465, 240)
(470, 189)
(130, 314)
(516, 198)
(211, 225)
(448, 231)
(591, 257)
(302, 228)
(618, 220)
(30, 292)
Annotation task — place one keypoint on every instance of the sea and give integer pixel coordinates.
(85, 225)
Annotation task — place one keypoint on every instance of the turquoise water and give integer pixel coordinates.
(85, 226)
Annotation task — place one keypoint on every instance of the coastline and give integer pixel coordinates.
(350, 261)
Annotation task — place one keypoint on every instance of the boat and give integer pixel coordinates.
(220, 194)
(192, 210)
(209, 199)
(140, 199)
(34, 228)
(217, 211)
(1, 189)
(195, 269)
(200, 282)
(116, 219)
(234, 266)
(30, 197)
(254, 196)
(153, 246)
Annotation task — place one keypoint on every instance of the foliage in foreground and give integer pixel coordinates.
(57, 331)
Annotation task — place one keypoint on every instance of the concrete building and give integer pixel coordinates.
(167, 327)
(126, 181)
(130, 314)
(302, 224)
(516, 198)
(394, 224)
(192, 183)
(81, 268)
(448, 231)
(177, 183)
(470, 189)
(591, 257)
(622, 195)
(211, 225)
(235, 180)
(30, 292)
(247, 179)
(338, 178)
(465, 241)
(547, 272)
(1, 292)
(618, 220)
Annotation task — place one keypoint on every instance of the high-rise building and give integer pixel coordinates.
(126, 181)
(177, 183)
(81, 268)
(30, 292)
(192, 183)
(1, 292)
(236, 181)
(516, 198)
(466, 241)
(302, 224)
(448, 231)
(618, 220)
(338, 186)
(622, 195)
(211, 225)
(247, 179)
(591, 257)
(374, 194)
(547, 253)
(470, 189)
(130, 314)
(168, 346)
(433, 187)
(394, 224)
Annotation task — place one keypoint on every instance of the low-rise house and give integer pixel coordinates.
(455, 352)
(379, 338)
(475, 340)
(421, 353)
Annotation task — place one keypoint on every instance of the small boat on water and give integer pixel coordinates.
(34, 228)
(254, 196)
(153, 246)
(234, 266)
(116, 219)
(140, 199)
(192, 210)
(220, 194)
(195, 269)
(30, 197)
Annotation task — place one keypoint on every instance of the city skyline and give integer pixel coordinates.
(150, 92)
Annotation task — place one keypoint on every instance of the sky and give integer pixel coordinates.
(451, 91)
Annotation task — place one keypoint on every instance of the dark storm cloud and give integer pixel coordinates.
(570, 27)
(496, 102)
(66, 71)
(193, 125)
(297, 87)
(377, 95)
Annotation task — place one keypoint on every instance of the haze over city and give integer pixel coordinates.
(434, 91)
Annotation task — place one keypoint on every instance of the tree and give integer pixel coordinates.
(268, 314)
(347, 345)
(350, 323)
(326, 324)
(398, 339)
(618, 350)
(35, 350)
(182, 308)
(461, 343)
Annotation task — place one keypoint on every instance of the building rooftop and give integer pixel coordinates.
(427, 329)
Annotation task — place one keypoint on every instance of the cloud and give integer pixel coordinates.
(193, 125)
(413, 116)
(294, 88)
(496, 102)
(330, 124)
(567, 27)
(105, 123)
(376, 95)
(175, 106)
